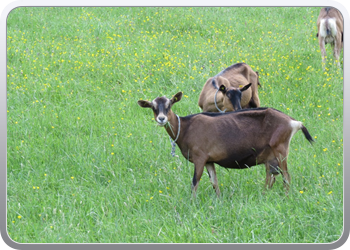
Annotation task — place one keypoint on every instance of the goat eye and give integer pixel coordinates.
(154, 110)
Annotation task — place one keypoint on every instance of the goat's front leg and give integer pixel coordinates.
(213, 178)
(198, 171)
(272, 170)
(270, 177)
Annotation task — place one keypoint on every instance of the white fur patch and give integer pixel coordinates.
(331, 25)
(295, 125)
(155, 105)
(167, 103)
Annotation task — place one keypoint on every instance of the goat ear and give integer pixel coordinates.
(177, 97)
(144, 104)
(245, 87)
(257, 72)
(222, 89)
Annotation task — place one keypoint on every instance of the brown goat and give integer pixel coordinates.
(239, 139)
(230, 83)
(330, 30)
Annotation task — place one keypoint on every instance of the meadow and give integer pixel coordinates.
(86, 164)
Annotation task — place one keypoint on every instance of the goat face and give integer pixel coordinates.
(233, 96)
(161, 107)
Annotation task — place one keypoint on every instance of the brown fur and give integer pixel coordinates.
(327, 33)
(236, 76)
(238, 139)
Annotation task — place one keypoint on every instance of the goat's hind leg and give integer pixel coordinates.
(282, 162)
(280, 152)
(323, 51)
(213, 178)
(336, 51)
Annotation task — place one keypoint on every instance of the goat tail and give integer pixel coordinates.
(307, 134)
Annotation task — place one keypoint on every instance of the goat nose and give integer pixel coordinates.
(161, 118)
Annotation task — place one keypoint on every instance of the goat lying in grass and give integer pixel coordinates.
(237, 140)
(330, 30)
(225, 90)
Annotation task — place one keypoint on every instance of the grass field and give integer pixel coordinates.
(86, 164)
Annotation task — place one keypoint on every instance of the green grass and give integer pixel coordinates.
(86, 164)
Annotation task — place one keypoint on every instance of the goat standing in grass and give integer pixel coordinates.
(330, 30)
(234, 88)
(236, 140)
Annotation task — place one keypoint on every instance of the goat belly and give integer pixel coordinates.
(238, 162)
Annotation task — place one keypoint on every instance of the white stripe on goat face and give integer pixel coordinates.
(161, 108)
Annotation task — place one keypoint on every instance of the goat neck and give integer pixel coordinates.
(173, 125)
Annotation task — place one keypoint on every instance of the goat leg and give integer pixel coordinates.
(198, 171)
(285, 174)
(323, 51)
(270, 180)
(271, 171)
(336, 51)
(213, 178)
